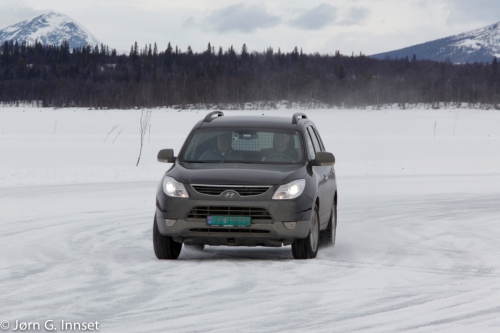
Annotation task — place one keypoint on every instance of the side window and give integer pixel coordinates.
(310, 147)
(319, 139)
(317, 146)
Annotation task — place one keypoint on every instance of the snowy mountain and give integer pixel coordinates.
(49, 29)
(477, 45)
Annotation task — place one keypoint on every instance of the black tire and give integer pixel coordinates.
(197, 247)
(307, 248)
(329, 234)
(165, 247)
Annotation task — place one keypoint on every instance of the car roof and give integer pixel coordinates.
(253, 121)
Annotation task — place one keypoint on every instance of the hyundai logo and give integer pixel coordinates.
(229, 194)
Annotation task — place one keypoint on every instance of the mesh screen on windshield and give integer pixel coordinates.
(263, 140)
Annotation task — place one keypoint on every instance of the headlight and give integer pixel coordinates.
(291, 190)
(173, 188)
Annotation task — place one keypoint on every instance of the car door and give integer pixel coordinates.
(329, 177)
(319, 173)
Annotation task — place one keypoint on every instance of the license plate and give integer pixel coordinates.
(231, 221)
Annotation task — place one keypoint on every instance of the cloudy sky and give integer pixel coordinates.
(368, 26)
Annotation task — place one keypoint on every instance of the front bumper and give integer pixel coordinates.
(298, 209)
(258, 234)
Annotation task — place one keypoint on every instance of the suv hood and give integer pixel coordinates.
(236, 173)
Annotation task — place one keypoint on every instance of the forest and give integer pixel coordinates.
(97, 77)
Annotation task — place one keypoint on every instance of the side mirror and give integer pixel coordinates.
(166, 156)
(324, 158)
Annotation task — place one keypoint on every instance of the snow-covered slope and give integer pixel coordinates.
(476, 45)
(49, 29)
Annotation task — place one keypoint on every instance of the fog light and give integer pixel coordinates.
(170, 223)
(290, 225)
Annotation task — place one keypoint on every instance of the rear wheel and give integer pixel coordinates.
(328, 235)
(165, 247)
(307, 248)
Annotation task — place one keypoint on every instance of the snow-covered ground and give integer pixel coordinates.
(417, 246)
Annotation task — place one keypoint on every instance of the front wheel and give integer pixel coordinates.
(307, 248)
(165, 247)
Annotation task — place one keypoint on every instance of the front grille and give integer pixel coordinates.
(256, 213)
(231, 230)
(243, 191)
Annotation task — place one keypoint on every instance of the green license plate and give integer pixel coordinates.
(232, 221)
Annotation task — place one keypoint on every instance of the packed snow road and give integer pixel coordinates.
(417, 241)
(83, 253)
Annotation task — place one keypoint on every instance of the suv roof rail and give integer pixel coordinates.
(297, 116)
(209, 117)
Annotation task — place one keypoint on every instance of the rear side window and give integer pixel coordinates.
(319, 139)
(310, 147)
(315, 141)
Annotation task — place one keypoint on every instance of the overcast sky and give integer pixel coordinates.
(368, 26)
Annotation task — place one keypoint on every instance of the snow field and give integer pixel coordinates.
(61, 146)
(417, 245)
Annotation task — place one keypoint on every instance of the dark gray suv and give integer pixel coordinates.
(247, 181)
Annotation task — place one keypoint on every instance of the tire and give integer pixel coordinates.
(165, 247)
(197, 247)
(307, 248)
(329, 234)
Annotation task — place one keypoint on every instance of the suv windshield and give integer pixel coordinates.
(243, 145)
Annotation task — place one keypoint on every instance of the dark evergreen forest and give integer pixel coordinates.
(55, 76)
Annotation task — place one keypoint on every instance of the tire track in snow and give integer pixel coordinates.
(399, 263)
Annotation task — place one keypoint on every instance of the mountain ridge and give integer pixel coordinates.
(49, 29)
(479, 45)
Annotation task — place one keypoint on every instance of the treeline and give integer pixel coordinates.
(95, 76)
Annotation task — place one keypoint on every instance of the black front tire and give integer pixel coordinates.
(165, 247)
(307, 248)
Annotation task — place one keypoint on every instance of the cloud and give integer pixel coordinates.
(241, 18)
(315, 18)
(189, 22)
(462, 11)
(12, 13)
(355, 16)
